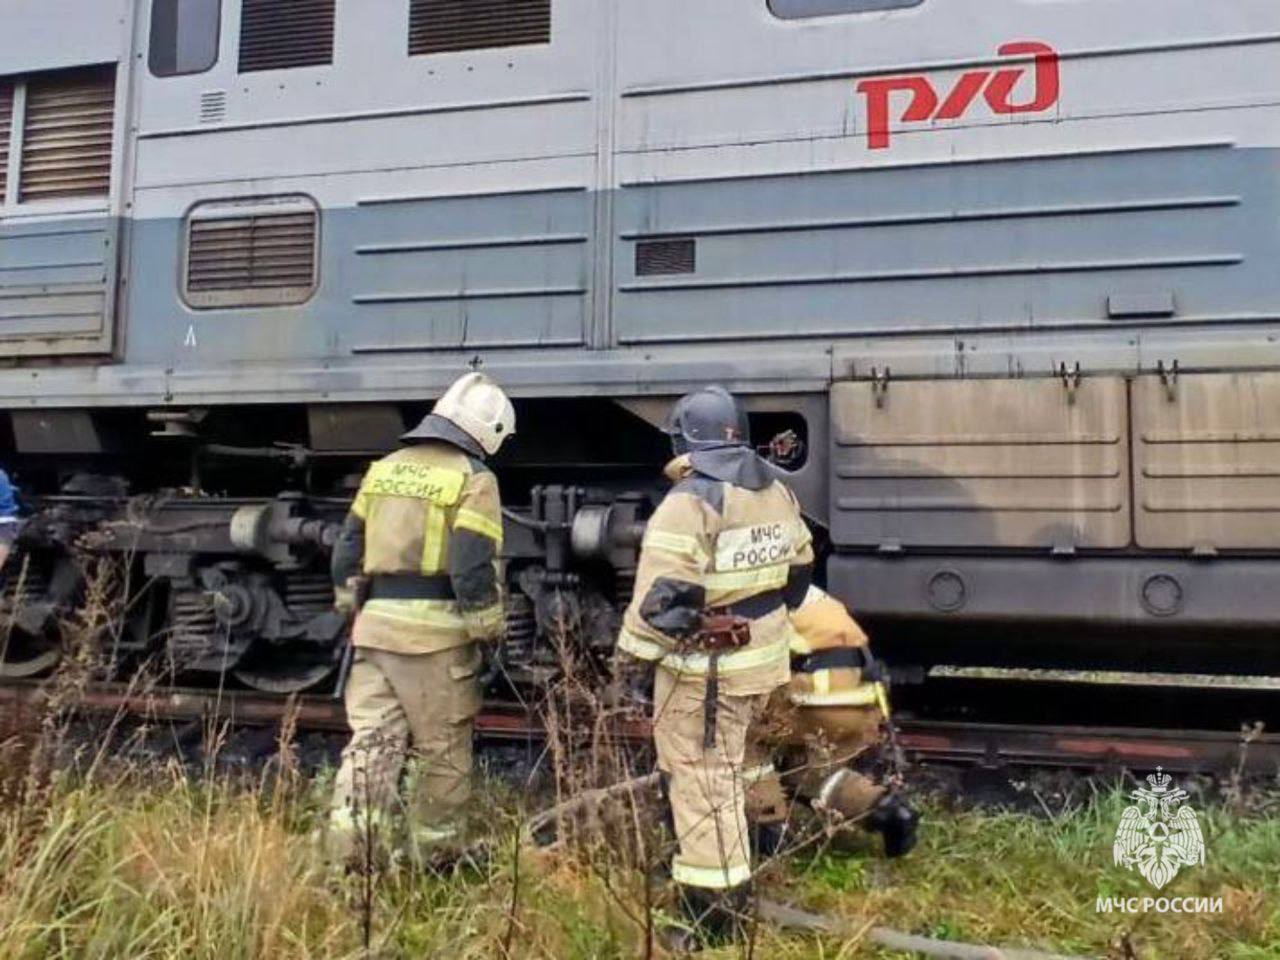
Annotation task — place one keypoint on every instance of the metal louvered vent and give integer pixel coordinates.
(440, 26)
(6, 127)
(279, 34)
(213, 106)
(66, 134)
(258, 257)
(656, 257)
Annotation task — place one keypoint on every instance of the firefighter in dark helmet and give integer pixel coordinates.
(724, 558)
(419, 551)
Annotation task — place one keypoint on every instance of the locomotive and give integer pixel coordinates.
(997, 282)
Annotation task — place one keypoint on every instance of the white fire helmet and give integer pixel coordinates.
(478, 407)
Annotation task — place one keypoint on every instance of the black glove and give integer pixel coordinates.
(898, 822)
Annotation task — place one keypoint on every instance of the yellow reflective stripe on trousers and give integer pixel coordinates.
(697, 664)
(863, 696)
(710, 878)
(434, 834)
(677, 543)
(478, 523)
(432, 613)
(433, 541)
(755, 774)
(349, 819)
(719, 585)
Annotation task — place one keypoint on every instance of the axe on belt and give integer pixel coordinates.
(719, 632)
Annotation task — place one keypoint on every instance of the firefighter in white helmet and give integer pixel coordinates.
(724, 557)
(418, 559)
(823, 726)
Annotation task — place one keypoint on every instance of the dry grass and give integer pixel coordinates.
(149, 862)
(103, 858)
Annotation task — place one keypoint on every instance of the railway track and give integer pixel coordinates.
(922, 740)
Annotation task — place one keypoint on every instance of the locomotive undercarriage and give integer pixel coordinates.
(218, 525)
(234, 591)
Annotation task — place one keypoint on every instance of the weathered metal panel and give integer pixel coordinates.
(52, 34)
(505, 269)
(1098, 591)
(55, 286)
(993, 463)
(1206, 453)
(1133, 218)
(1015, 243)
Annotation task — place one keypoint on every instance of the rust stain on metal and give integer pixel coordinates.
(1124, 748)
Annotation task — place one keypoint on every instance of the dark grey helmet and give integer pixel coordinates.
(707, 419)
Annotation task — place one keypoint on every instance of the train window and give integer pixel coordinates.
(184, 36)
(443, 26)
(799, 9)
(67, 133)
(6, 129)
(277, 35)
(257, 252)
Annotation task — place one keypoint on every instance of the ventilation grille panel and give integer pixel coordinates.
(658, 257)
(6, 128)
(280, 34)
(441, 26)
(213, 106)
(66, 145)
(254, 259)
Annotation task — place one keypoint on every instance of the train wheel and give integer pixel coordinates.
(287, 668)
(23, 655)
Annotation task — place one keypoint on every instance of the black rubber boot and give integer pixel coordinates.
(895, 820)
(711, 918)
(767, 839)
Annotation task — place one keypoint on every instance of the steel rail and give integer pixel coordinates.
(988, 744)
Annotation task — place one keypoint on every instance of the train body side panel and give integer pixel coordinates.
(669, 193)
(497, 201)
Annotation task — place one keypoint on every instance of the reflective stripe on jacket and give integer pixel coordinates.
(434, 511)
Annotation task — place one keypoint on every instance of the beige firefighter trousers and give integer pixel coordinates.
(401, 706)
(705, 787)
(811, 744)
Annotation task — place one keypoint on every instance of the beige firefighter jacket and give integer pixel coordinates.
(433, 511)
(822, 623)
(712, 544)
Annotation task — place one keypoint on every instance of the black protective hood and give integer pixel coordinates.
(436, 427)
(734, 464)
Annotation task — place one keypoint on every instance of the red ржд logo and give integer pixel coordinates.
(996, 86)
